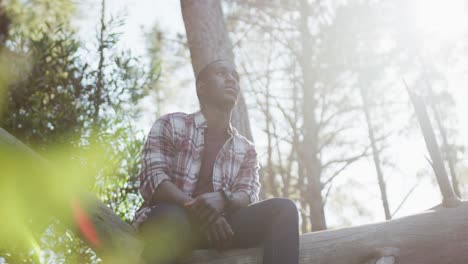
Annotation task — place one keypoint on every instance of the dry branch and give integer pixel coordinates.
(449, 198)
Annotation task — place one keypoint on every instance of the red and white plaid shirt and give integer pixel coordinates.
(173, 152)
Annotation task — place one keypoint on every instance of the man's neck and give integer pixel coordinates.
(218, 120)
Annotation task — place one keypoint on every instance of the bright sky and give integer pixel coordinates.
(441, 19)
(140, 16)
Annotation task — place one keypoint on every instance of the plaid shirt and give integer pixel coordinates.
(173, 152)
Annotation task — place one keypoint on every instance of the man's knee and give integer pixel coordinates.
(285, 207)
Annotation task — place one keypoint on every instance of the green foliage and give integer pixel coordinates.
(32, 18)
(117, 185)
(33, 191)
(48, 103)
(51, 94)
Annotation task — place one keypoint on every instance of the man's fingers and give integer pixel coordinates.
(197, 209)
(229, 234)
(209, 238)
(220, 234)
(201, 208)
(223, 235)
(190, 204)
(215, 237)
(209, 222)
(228, 229)
(204, 214)
(213, 215)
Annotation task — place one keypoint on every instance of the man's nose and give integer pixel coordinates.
(231, 78)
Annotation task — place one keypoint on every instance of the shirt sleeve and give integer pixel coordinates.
(247, 179)
(157, 157)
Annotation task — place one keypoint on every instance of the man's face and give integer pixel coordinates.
(220, 85)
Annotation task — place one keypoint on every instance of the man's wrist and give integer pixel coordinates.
(227, 197)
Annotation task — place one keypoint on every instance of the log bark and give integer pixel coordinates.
(8, 140)
(208, 40)
(117, 241)
(433, 237)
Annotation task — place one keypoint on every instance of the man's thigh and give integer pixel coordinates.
(253, 223)
(166, 231)
(165, 213)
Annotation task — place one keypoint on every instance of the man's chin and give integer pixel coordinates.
(226, 104)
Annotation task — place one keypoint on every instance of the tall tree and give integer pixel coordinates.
(438, 103)
(208, 40)
(375, 152)
(315, 113)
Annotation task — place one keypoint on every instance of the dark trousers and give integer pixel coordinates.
(170, 231)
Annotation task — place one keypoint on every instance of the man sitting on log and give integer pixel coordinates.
(199, 182)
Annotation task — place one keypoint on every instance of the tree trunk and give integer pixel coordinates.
(4, 26)
(445, 144)
(309, 146)
(375, 154)
(208, 40)
(449, 197)
(270, 168)
(100, 69)
(443, 133)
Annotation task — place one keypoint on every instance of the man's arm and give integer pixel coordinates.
(238, 200)
(168, 192)
(244, 191)
(246, 185)
(157, 158)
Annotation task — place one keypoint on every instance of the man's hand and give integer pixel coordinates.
(207, 207)
(220, 234)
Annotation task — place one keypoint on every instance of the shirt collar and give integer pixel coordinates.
(200, 121)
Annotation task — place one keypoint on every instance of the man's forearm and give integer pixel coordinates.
(168, 192)
(239, 199)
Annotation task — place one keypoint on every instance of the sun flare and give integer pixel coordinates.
(441, 19)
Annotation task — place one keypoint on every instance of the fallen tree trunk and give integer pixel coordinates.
(113, 240)
(437, 237)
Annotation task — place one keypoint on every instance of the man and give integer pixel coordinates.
(199, 182)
